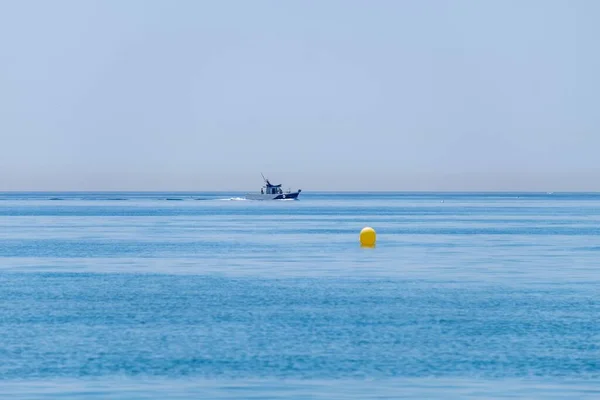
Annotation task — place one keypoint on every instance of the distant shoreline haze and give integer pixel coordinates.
(252, 183)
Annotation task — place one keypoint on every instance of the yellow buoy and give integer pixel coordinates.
(367, 236)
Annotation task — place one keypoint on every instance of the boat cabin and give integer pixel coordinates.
(270, 188)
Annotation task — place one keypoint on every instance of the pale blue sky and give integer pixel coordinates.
(340, 95)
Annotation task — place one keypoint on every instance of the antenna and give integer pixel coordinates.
(266, 180)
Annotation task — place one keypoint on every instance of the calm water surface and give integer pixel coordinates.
(206, 295)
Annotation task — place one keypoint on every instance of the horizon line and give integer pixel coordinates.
(303, 191)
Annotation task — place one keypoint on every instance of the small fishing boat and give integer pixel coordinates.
(273, 192)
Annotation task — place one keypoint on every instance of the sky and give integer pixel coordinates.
(393, 95)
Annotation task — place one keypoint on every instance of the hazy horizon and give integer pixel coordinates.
(304, 192)
(334, 95)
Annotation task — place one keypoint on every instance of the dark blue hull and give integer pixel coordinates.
(274, 196)
(285, 196)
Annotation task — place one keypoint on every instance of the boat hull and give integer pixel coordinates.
(277, 196)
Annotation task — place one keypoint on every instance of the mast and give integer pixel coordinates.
(266, 180)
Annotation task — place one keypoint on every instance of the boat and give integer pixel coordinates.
(272, 192)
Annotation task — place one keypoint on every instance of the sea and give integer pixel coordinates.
(157, 295)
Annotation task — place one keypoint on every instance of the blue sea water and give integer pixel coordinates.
(206, 295)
